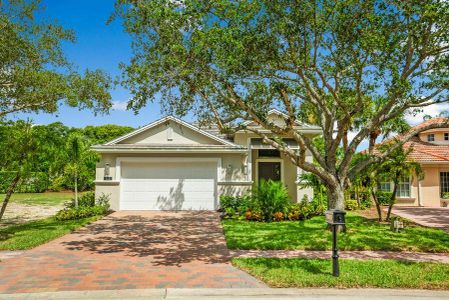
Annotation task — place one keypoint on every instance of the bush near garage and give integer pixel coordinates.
(88, 206)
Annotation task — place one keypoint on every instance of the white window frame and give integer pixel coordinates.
(398, 190)
(431, 137)
(446, 136)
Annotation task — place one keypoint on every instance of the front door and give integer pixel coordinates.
(269, 170)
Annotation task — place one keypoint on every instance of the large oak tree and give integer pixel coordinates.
(346, 65)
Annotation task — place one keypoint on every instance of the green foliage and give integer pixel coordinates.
(271, 197)
(87, 200)
(80, 212)
(37, 182)
(87, 207)
(36, 75)
(383, 197)
(445, 195)
(235, 206)
(351, 204)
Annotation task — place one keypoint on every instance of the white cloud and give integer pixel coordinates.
(433, 110)
(119, 105)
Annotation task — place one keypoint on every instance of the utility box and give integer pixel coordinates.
(335, 217)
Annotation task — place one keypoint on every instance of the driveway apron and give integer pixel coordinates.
(426, 216)
(130, 250)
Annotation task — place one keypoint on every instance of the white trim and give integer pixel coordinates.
(269, 160)
(119, 160)
(170, 150)
(165, 119)
(235, 182)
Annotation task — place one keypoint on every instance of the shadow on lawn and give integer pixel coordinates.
(169, 239)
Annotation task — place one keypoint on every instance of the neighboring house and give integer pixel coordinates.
(173, 165)
(431, 150)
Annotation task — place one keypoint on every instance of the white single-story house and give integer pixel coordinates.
(173, 165)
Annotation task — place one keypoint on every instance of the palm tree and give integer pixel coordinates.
(75, 147)
(397, 167)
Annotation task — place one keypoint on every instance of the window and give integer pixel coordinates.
(446, 136)
(431, 137)
(385, 186)
(403, 190)
(444, 183)
(269, 153)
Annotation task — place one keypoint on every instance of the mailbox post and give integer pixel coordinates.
(335, 218)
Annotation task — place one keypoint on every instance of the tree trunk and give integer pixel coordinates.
(376, 202)
(76, 189)
(357, 197)
(336, 198)
(392, 200)
(9, 192)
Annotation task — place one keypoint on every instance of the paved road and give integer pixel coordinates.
(426, 216)
(222, 294)
(130, 250)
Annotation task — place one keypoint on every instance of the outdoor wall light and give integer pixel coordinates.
(107, 175)
(245, 169)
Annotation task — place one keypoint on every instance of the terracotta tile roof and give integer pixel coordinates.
(423, 151)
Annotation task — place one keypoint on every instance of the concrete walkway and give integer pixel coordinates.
(263, 293)
(409, 256)
(426, 216)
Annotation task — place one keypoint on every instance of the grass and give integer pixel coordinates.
(362, 234)
(32, 234)
(48, 198)
(300, 273)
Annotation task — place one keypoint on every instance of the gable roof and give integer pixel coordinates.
(176, 120)
(274, 111)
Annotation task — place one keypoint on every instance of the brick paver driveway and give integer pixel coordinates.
(129, 250)
(426, 216)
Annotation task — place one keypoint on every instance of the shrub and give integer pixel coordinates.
(294, 213)
(278, 216)
(88, 209)
(383, 197)
(84, 200)
(351, 204)
(445, 195)
(235, 205)
(271, 197)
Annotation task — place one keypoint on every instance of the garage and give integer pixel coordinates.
(168, 184)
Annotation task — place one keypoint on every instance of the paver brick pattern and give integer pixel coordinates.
(130, 250)
(437, 217)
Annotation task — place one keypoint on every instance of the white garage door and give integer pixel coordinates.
(168, 185)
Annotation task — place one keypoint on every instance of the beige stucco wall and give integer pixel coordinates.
(180, 135)
(430, 185)
(110, 189)
(438, 134)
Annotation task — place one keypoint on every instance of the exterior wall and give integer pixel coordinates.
(438, 133)
(431, 184)
(179, 135)
(110, 189)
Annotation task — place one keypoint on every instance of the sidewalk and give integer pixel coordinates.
(409, 256)
(264, 293)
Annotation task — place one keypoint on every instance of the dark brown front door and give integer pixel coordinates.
(269, 170)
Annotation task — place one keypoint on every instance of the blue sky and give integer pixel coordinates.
(98, 46)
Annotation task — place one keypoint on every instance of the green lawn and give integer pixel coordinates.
(362, 234)
(300, 273)
(48, 198)
(32, 234)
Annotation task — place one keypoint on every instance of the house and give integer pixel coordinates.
(430, 149)
(173, 165)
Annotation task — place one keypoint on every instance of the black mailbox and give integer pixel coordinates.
(335, 217)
